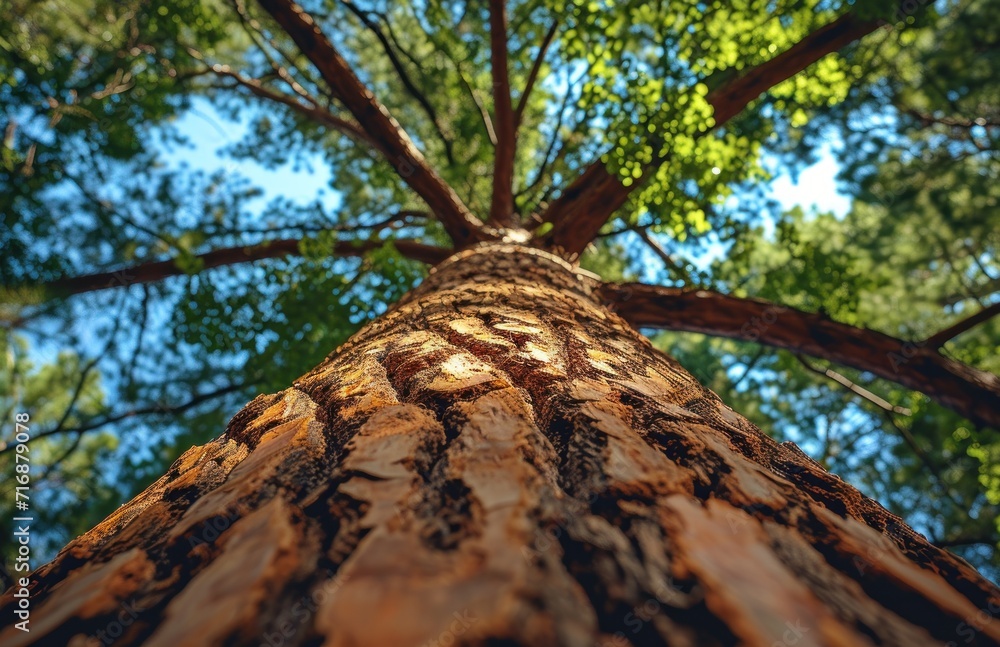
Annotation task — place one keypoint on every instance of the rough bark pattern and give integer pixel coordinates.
(501, 461)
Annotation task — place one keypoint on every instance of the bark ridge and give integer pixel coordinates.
(500, 460)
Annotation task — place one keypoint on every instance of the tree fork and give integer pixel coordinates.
(381, 127)
(501, 460)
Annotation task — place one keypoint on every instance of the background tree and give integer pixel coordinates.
(627, 137)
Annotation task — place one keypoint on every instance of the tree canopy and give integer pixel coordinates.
(148, 291)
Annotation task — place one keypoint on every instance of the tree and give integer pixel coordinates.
(499, 457)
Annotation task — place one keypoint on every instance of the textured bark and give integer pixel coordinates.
(499, 460)
(917, 365)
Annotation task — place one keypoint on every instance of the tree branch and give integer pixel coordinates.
(584, 206)
(194, 401)
(536, 67)
(679, 271)
(990, 287)
(317, 114)
(548, 159)
(374, 118)
(972, 393)
(953, 122)
(255, 32)
(937, 340)
(731, 98)
(404, 78)
(159, 270)
(749, 367)
(502, 205)
(484, 114)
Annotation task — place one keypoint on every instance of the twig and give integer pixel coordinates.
(131, 413)
(939, 339)
(750, 366)
(911, 442)
(533, 74)
(667, 259)
(855, 388)
(404, 78)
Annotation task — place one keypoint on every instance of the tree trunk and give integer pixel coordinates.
(499, 460)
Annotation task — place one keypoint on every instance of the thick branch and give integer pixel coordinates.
(583, 207)
(375, 119)
(732, 97)
(404, 77)
(972, 393)
(502, 206)
(159, 270)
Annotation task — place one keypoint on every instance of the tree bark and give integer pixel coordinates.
(499, 460)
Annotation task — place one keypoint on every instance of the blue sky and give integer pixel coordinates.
(815, 188)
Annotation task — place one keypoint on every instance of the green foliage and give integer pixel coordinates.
(60, 393)
(100, 169)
